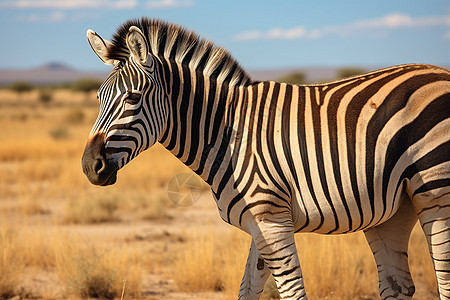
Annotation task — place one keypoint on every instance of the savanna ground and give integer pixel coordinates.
(62, 238)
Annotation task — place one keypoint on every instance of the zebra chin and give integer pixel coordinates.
(107, 176)
(98, 169)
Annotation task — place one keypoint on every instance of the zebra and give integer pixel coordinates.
(368, 153)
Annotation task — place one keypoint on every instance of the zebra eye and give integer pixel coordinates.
(132, 97)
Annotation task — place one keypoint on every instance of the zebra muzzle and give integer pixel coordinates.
(96, 167)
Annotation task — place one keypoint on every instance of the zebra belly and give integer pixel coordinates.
(336, 217)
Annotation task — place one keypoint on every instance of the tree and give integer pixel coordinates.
(20, 87)
(293, 78)
(349, 72)
(86, 86)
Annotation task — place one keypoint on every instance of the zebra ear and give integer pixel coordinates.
(137, 44)
(100, 46)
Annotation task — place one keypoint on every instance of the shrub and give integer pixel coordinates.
(90, 210)
(74, 116)
(45, 96)
(93, 272)
(349, 72)
(86, 86)
(59, 133)
(21, 87)
(151, 206)
(294, 78)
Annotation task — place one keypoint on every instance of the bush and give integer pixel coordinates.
(349, 72)
(86, 85)
(91, 210)
(97, 272)
(294, 78)
(74, 116)
(59, 133)
(21, 86)
(45, 96)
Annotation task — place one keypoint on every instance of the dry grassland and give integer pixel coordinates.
(61, 237)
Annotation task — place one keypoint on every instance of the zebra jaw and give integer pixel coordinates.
(97, 168)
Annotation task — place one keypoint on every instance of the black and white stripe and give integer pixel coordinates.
(371, 152)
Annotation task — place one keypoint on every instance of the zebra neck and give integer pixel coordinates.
(198, 129)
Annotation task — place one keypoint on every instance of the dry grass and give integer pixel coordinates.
(90, 207)
(150, 207)
(36, 246)
(89, 271)
(334, 267)
(196, 265)
(341, 267)
(87, 210)
(85, 269)
(212, 261)
(9, 261)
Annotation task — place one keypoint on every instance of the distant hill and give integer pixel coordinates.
(52, 73)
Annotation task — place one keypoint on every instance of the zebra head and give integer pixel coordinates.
(132, 108)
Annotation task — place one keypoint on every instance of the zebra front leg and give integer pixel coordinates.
(433, 208)
(389, 244)
(273, 236)
(255, 276)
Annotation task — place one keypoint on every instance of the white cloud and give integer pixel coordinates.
(169, 3)
(249, 35)
(56, 16)
(388, 22)
(125, 4)
(293, 33)
(273, 34)
(68, 4)
(392, 21)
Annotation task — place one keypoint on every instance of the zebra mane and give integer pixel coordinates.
(175, 43)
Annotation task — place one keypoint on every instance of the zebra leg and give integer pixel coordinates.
(389, 244)
(433, 208)
(273, 236)
(255, 275)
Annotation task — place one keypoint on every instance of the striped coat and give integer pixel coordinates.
(370, 153)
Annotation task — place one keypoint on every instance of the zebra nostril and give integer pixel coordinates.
(99, 165)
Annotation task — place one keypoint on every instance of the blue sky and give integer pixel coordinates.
(260, 34)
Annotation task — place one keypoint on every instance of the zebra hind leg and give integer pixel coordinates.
(255, 276)
(433, 208)
(389, 244)
(273, 236)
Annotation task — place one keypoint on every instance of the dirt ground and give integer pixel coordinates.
(158, 238)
